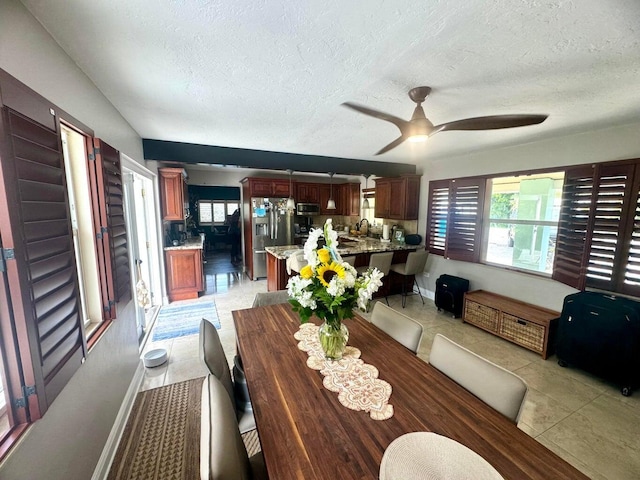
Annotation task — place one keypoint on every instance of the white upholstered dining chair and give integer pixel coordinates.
(212, 354)
(499, 388)
(397, 325)
(222, 452)
(270, 298)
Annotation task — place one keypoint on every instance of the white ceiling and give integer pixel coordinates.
(271, 75)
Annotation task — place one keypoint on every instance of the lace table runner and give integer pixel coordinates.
(356, 383)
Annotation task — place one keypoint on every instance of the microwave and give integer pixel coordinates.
(307, 209)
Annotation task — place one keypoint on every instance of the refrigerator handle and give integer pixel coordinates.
(275, 220)
(271, 222)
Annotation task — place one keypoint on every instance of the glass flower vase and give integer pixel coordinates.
(333, 339)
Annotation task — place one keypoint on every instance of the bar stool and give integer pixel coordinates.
(381, 261)
(415, 264)
(351, 260)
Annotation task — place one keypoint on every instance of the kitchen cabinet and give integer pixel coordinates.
(307, 192)
(277, 276)
(398, 197)
(383, 198)
(350, 198)
(184, 273)
(267, 187)
(173, 193)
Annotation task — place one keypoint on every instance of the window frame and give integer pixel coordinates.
(43, 340)
(212, 202)
(576, 226)
(486, 228)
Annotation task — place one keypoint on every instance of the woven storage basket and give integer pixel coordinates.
(525, 333)
(481, 315)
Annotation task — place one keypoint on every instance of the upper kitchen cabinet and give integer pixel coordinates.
(398, 197)
(267, 187)
(350, 198)
(173, 188)
(307, 192)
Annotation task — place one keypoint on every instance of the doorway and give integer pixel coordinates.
(144, 258)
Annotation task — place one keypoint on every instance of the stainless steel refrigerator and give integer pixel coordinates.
(271, 225)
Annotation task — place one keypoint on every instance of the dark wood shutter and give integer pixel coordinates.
(437, 216)
(611, 202)
(44, 289)
(464, 223)
(630, 276)
(573, 226)
(111, 229)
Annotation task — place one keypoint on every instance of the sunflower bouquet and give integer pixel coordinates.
(330, 289)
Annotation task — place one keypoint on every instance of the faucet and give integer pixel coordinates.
(360, 224)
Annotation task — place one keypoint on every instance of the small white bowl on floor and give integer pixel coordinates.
(155, 358)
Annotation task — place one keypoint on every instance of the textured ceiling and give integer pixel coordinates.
(271, 75)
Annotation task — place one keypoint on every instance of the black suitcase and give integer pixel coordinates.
(450, 293)
(600, 333)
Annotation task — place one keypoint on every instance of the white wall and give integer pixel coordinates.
(610, 144)
(67, 442)
(29, 53)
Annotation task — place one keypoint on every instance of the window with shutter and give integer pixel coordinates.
(437, 216)
(45, 297)
(571, 244)
(464, 223)
(110, 202)
(44, 315)
(630, 283)
(611, 201)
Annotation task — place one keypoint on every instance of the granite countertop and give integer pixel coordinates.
(189, 244)
(352, 246)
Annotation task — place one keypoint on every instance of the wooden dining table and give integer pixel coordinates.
(306, 433)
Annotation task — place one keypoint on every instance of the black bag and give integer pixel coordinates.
(450, 293)
(600, 333)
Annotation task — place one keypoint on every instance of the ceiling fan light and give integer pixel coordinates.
(418, 138)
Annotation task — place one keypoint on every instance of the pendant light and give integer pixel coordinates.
(291, 203)
(331, 204)
(365, 203)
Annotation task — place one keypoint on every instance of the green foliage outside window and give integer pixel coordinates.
(503, 205)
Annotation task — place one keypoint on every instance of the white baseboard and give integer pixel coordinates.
(109, 450)
(427, 293)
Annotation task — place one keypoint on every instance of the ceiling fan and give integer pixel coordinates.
(419, 128)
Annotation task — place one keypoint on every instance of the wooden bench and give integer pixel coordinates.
(524, 324)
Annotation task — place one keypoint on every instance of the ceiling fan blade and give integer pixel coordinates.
(398, 122)
(490, 123)
(393, 144)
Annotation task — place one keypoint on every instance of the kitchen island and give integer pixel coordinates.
(360, 247)
(185, 277)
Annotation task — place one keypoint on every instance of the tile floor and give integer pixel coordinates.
(581, 418)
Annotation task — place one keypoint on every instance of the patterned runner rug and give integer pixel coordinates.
(161, 440)
(178, 320)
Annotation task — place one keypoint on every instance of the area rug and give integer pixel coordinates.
(184, 319)
(161, 440)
